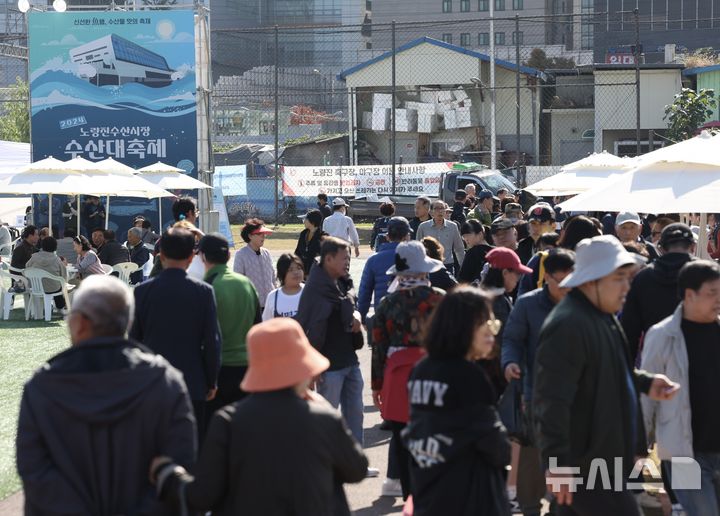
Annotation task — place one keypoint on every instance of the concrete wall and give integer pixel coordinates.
(568, 125)
(615, 100)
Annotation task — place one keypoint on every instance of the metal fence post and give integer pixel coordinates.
(277, 128)
(517, 99)
(636, 12)
(392, 111)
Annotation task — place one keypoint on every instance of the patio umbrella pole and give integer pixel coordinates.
(160, 214)
(107, 212)
(77, 216)
(50, 213)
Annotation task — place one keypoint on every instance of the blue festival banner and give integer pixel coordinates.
(114, 84)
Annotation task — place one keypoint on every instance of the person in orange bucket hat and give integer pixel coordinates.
(281, 450)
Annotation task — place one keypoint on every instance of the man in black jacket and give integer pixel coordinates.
(111, 252)
(585, 404)
(176, 316)
(139, 254)
(93, 417)
(653, 295)
(328, 315)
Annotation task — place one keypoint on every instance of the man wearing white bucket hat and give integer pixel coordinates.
(586, 406)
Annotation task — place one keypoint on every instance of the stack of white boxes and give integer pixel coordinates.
(406, 120)
(426, 117)
(382, 103)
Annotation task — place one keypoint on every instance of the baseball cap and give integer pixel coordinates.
(460, 194)
(500, 224)
(627, 216)
(339, 201)
(213, 244)
(675, 233)
(399, 227)
(262, 230)
(541, 212)
(485, 194)
(513, 208)
(504, 258)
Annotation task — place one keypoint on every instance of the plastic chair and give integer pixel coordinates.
(7, 297)
(16, 276)
(107, 268)
(7, 249)
(124, 270)
(37, 292)
(148, 267)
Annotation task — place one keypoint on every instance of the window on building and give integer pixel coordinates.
(588, 4)
(465, 39)
(483, 39)
(517, 38)
(483, 5)
(447, 38)
(447, 6)
(464, 6)
(499, 5)
(518, 5)
(499, 38)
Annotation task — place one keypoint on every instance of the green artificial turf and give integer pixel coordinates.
(24, 346)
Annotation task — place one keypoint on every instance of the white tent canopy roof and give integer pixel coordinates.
(684, 178)
(583, 175)
(170, 178)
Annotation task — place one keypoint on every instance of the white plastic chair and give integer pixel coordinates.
(148, 267)
(107, 268)
(124, 270)
(7, 249)
(37, 292)
(7, 297)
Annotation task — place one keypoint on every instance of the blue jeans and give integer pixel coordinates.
(703, 501)
(344, 388)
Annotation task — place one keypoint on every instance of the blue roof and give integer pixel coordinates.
(483, 57)
(133, 53)
(701, 69)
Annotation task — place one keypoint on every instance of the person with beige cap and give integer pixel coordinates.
(282, 450)
(586, 396)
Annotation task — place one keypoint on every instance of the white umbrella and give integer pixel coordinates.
(48, 176)
(170, 178)
(582, 175)
(112, 178)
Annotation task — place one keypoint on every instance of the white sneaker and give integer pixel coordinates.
(391, 487)
(372, 473)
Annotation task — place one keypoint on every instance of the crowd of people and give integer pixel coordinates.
(580, 341)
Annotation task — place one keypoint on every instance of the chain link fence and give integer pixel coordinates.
(348, 116)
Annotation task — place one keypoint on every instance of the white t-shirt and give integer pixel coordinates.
(287, 306)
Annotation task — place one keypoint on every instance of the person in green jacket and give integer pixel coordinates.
(238, 309)
(586, 395)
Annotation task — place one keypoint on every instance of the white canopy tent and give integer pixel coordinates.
(77, 176)
(682, 178)
(582, 175)
(169, 178)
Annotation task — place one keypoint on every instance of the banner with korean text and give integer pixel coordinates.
(114, 84)
(365, 180)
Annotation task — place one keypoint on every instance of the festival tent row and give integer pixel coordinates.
(106, 178)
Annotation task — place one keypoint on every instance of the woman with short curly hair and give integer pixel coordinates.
(254, 261)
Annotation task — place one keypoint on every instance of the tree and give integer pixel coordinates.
(540, 61)
(15, 119)
(688, 112)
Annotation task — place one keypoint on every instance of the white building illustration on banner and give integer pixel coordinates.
(119, 61)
